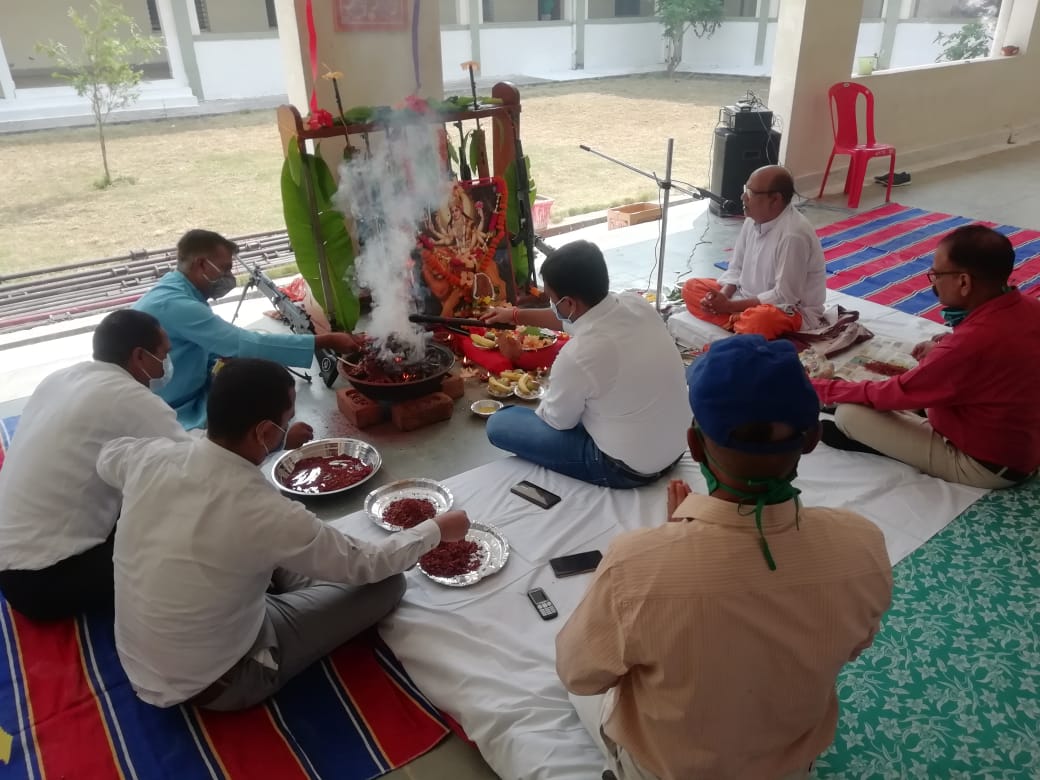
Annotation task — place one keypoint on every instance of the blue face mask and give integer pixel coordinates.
(954, 317)
(157, 383)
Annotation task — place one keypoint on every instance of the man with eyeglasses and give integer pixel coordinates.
(200, 337)
(776, 282)
(977, 383)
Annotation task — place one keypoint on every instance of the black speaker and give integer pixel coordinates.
(736, 156)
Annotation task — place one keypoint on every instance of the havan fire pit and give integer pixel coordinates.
(393, 377)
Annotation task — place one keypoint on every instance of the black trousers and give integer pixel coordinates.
(80, 583)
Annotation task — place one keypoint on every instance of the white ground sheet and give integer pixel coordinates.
(483, 655)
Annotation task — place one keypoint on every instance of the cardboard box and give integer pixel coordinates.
(632, 214)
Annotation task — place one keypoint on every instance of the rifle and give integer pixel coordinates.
(297, 319)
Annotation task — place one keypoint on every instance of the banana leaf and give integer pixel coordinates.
(339, 247)
(521, 265)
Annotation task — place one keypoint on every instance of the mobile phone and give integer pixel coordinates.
(538, 496)
(541, 603)
(579, 563)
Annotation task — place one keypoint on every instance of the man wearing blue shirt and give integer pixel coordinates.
(199, 337)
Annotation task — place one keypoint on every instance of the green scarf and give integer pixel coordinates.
(777, 491)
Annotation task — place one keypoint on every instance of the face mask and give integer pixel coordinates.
(567, 321)
(222, 285)
(954, 317)
(777, 491)
(157, 383)
(281, 444)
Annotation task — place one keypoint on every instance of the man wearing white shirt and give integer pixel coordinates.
(777, 280)
(616, 387)
(202, 538)
(56, 514)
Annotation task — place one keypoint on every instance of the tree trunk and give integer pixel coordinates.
(675, 52)
(107, 180)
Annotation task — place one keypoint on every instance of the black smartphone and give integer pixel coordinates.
(538, 496)
(579, 563)
(542, 603)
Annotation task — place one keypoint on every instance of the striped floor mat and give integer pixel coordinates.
(883, 254)
(67, 711)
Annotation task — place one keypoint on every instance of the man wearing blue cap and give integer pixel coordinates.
(716, 638)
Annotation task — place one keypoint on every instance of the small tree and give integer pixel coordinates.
(103, 71)
(970, 42)
(678, 16)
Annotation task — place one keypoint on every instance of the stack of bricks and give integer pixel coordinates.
(363, 412)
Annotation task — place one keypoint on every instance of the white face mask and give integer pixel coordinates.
(567, 321)
(281, 445)
(157, 383)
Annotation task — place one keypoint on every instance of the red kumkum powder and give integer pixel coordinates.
(883, 368)
(324, 474)
(450, 559)
(408, 512)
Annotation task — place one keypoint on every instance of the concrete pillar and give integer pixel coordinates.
(762, 32)
(376, 65)
(892, 15)
(6, 79)
(475, 13)
(815, 46)
(180, 48)
(171, 41)
(581, 13)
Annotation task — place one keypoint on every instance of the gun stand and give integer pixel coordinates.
(666, 185)
(297, 319)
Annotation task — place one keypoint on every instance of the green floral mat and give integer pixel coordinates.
(951, 687)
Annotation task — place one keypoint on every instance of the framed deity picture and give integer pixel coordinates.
(363, 15)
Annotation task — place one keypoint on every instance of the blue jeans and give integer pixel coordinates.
(572, 452)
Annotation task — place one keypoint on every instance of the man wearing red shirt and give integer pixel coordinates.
(977, 384)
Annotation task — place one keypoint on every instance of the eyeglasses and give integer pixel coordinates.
(933, 275)
(748, 191)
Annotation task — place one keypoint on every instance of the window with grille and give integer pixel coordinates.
(272, 17)
(153, 16)
(627, 7)
(202, 13)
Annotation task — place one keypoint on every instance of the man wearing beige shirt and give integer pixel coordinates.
(709, 647)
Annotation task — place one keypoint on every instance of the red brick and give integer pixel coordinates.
(409, 415)
(453, 386)
(361, 411)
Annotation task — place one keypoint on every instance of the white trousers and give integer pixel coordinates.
(593, 712)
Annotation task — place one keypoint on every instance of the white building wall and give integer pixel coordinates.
(240, 67)
(508, 50)
(456, 48)
(623, 44)
(730, 50)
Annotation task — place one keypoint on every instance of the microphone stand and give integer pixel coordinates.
(666, 185)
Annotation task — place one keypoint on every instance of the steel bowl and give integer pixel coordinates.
(324, 448)
(485, 408)
(379, 499)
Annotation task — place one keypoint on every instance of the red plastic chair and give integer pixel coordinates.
(843, 98)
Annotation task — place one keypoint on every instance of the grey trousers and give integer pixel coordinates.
(306, 620)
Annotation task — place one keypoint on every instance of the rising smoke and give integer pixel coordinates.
(389, 195)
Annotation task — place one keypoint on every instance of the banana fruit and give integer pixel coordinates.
(512, 375)
(480, 341)
(528, 385)
(502, 388)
